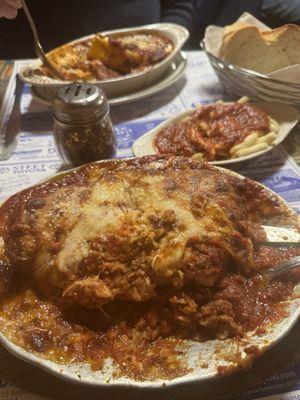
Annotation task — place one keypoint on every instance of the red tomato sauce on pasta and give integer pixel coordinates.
(212, 130)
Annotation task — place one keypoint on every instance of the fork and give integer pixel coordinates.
(269, 275)
(37, 45)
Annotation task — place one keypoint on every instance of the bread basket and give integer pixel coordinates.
(241, 82)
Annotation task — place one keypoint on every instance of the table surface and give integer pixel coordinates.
(33, 380)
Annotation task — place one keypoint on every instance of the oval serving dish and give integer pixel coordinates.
(176, 69)
(122, 85)
(206, 360)
(286, 116)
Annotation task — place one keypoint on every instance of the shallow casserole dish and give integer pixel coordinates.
(122, 85)
(143, 272)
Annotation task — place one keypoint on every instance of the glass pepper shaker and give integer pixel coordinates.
(83, 130)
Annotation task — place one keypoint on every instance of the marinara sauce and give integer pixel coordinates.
(212, 130)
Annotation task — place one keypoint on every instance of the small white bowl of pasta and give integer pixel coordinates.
(188, 134)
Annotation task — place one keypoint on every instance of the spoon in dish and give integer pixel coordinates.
(37, 45)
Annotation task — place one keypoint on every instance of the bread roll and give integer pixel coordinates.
(247, 46)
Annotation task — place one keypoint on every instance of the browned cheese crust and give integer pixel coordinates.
(107, 57)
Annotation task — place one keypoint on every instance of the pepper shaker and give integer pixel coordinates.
(83, 130)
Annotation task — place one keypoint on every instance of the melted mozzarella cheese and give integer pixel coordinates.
(111, 205)
(123, 207)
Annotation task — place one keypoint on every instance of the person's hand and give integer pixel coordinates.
(9, 8)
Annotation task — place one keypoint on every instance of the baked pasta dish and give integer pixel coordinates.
(108, 56)
(127, 259)
(219, 131)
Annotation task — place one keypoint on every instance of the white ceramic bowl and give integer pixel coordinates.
(286, 116)
(204, 359)
(174, 72)
(123, 85)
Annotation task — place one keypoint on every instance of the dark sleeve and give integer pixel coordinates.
(177, 11)
(284, 10)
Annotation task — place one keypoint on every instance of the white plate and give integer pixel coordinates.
(175, 71)
(286, 116)
(204, 358)
(120, 86)
(82, 374)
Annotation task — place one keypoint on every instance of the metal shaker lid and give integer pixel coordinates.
(79, 103)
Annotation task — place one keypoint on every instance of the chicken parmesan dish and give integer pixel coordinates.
(218, 131)
(128, 259)
(108, 56)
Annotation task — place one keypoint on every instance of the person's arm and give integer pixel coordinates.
(177, 11)
(286, 11)
(9, 8)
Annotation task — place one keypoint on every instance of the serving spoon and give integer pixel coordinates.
(37, 45)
